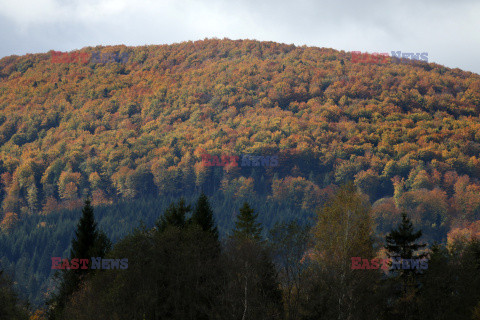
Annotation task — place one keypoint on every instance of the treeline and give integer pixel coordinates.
(25, 250)
(180, 269)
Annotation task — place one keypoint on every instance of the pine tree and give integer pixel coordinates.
(88, 242)
(246, 225)
(203, 216)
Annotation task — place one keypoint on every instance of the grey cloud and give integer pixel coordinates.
(447, 30)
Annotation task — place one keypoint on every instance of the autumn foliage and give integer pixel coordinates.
(114, 131)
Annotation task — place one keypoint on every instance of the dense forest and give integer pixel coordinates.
(131, 137)
(407, 134)
(181, 269)
(26, 250)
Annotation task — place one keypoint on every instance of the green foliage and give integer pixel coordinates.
(51, 235)
(289, 242)
(174, 216)
(177, 273)
(401, 242)
(451, 284)
(180, 273)
(246, 225)
(125, 133)
(203, 216)
(88, 243)
(252, 290)
(11, 307)
(343, 229)
(121, 121)
(171, 274)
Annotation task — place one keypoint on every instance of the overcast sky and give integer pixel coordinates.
(449, 30)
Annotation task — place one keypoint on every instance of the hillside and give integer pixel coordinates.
(407, 134)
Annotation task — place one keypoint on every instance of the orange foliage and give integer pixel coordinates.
(72, 131)
(9, 220)
(463, 235)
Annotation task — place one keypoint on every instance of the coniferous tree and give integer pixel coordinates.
(437, 298)
(402, 243)
(451, 284)
(290, 242)
(252, 290)
(175, 215)
(87, 237)
(203, 216)
(88, 242)
(173, 273)
(246, 225)
(10, 306)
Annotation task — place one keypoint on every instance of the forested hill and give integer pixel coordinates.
(407, 134)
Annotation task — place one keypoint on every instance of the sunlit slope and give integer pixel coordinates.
(407, 134)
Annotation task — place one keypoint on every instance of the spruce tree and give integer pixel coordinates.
(203, 216)
(253, 289)
(88, 242)
(175, 215)
(436, 298)
(402, 243)
(86, 233)
(246, 225)
(11, 307)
